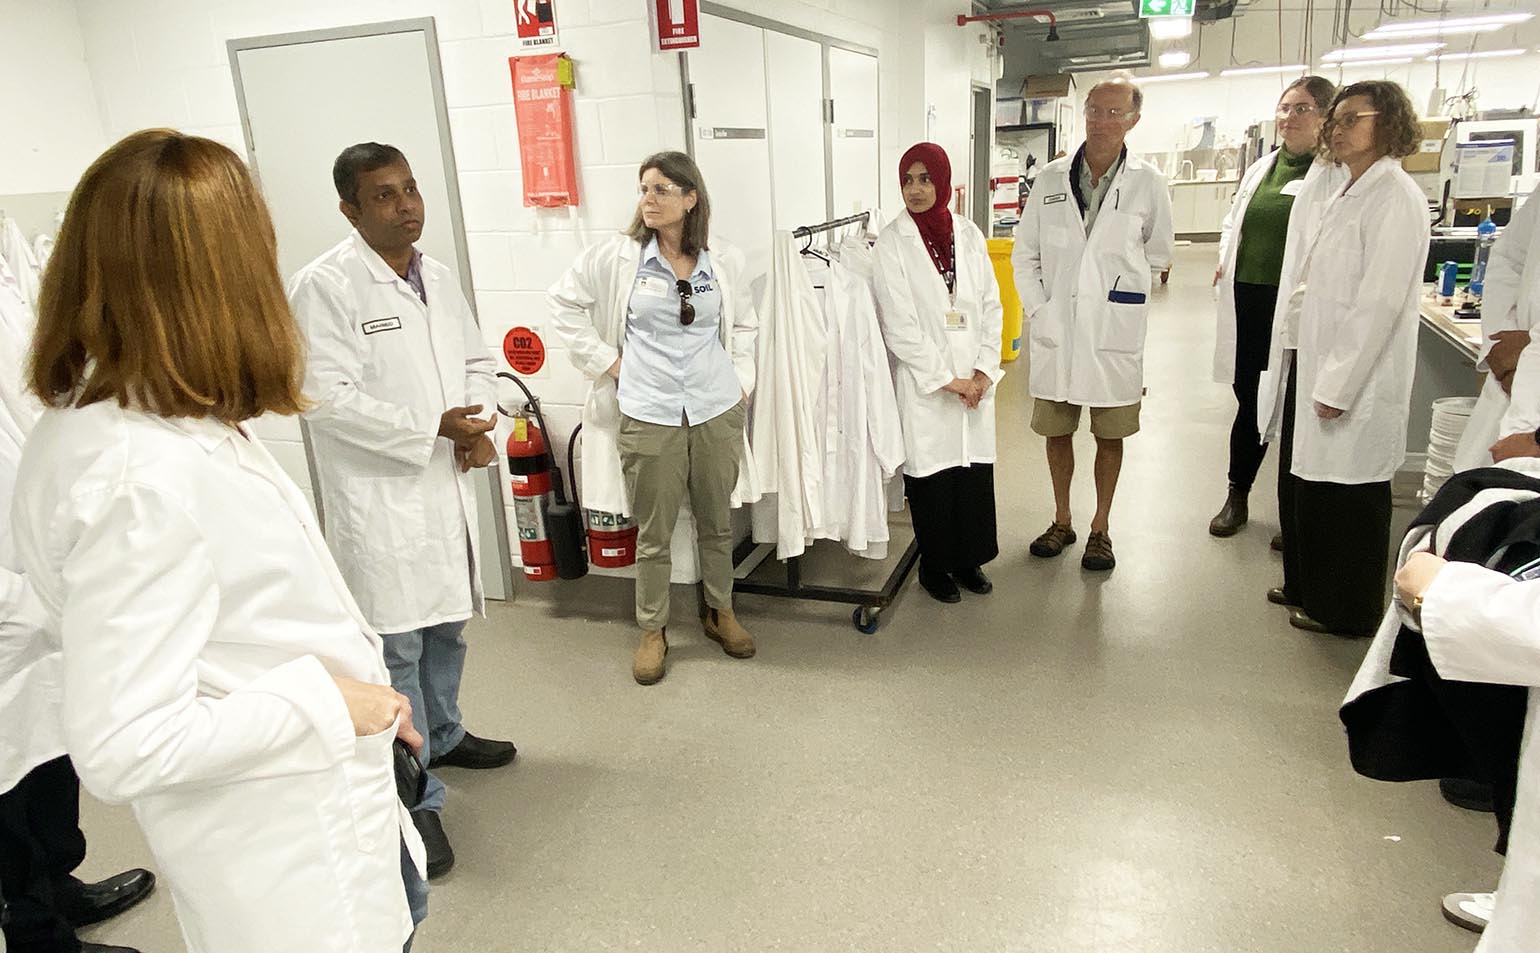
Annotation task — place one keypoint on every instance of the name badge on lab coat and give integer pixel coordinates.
(653, 287)
(1292, 188)
(1053, 199)
(956, 320)
(382, 324)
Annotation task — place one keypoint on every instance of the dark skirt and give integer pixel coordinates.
(954, 517)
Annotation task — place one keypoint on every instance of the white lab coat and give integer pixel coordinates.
(1357, 326)
(940, 431)
(18, 254)
(1084, 347)
(589, 305)
(202, 621)
(1510, 301)
(382, 368)
(31, 667)
(1229, 247)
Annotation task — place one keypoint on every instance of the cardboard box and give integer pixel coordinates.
(1048, 86)
(1430, 152)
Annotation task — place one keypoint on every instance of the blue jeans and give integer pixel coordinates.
(425, 666)
(416, 894)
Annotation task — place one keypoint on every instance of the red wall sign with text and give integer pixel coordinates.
(537, 24)
(675, 24)
(524, 350)
(543, 108)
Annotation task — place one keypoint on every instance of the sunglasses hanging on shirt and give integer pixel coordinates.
(686, 309)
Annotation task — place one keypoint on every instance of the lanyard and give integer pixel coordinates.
(948, 274)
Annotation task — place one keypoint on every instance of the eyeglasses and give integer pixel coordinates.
(661, 190)
(1115, 114)
(1350, 120)
(686, 309)
(1296, 111)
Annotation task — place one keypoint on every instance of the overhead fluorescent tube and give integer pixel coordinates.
(1170, 77)
(1170, 28)
(1259, 70)
(1479, 24)
(1483, 55)
(1380, 52)
(1351, 64)
(1174, 59)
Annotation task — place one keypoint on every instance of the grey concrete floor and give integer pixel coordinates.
(1146, 762)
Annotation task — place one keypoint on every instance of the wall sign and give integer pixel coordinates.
(675, 24)
(1166, 8)
(542, 104)
(524, 350)
(537, 25)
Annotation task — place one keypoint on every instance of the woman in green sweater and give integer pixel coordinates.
(1250, 261)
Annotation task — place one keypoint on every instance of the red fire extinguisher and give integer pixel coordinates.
(550, 531)
(611, 536)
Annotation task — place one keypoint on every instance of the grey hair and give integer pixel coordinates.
(1122, 79)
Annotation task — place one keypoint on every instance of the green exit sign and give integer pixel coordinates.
(1166, 8)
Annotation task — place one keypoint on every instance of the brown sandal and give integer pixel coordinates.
(1098, 553)
(1053, 540)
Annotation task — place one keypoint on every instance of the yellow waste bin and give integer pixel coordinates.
(1010, 333)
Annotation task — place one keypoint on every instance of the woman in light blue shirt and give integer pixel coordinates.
(661, 320)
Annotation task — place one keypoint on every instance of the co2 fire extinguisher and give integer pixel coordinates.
(611, 536)
(550, 529)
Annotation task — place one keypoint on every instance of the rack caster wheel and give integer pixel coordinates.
(866, 619)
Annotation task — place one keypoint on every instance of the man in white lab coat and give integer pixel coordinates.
(403, 388)
(1094, 229)
(41, 901)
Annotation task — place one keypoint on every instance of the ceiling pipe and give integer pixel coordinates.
(1053, 21)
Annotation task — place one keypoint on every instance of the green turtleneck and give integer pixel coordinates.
(1259, 260)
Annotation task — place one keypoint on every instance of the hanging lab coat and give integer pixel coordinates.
(1229, 247)
(382, 368)
(1510, 301)
(864, 438)
(1087, 297)
(31, 667)
(589, 305)
(18, 254)
(940, 431)
(202, 621)
(1357, 327)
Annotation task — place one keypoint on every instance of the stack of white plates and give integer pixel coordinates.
(1450, 415)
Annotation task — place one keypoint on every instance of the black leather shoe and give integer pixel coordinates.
(1231, 517)
(1300, 620)
(104, 948)
(974, 580)
(940, 586)
(1471, 795)
(441, 857)
(93, 903)
(1276, 543)
(474, 752)
(1278, 598)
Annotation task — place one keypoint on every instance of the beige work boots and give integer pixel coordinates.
(647, 664)
(722, 627)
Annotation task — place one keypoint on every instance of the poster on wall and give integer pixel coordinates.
(542, 106)
(537, 25)
(675, 24)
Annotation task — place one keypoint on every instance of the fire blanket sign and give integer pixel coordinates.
(675, 24)
(537, 25)
(543, 108)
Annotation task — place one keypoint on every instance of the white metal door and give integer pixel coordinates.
(796, 129)
(855, 156)
(729, 132)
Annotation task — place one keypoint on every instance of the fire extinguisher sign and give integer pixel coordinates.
(524, 350)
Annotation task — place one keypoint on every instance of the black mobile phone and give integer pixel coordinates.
(411, 779)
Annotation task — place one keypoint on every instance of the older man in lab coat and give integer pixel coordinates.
(403, 389)
(41, 844)
(1094, 229)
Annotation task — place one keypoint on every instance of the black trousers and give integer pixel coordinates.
(1253, 336)
(41, 844)
(954, 517)
(1336, 541)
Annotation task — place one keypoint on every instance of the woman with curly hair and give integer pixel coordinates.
(1340, 373)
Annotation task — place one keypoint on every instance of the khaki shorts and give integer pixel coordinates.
(1056, 418)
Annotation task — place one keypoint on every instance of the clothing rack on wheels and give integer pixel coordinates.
(869, 603)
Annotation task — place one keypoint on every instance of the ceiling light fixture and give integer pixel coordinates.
(1170, 28)
(1379, 52)
(1452, 25)
(1170, 77)
(1260, 70)
(1352, 64)
(1483, 55)
(1174, 59)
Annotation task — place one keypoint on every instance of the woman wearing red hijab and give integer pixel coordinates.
(941, 318)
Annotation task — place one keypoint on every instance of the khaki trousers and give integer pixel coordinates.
(661, 464)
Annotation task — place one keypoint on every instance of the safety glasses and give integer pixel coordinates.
(686, 309)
